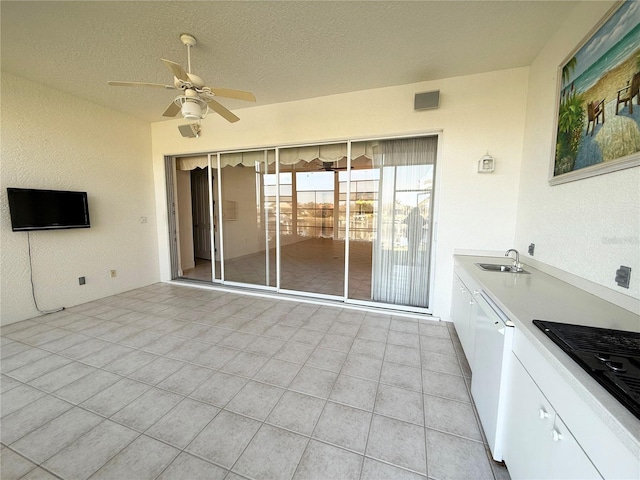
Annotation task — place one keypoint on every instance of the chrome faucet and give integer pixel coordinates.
(517, 266)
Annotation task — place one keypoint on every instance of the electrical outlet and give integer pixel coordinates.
(113, 273)
(532, 247)
(623, 276)
(81, 280)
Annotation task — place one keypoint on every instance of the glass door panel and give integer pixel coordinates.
(248, 242)
(311, 252)
(363, 207)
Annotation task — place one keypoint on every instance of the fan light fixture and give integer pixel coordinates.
(192, 108)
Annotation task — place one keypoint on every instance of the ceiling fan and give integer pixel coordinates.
(331, 167)
(196, 98)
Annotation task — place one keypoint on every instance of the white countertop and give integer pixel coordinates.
(525, 297)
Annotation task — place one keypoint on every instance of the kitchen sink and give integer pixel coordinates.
(494, 267)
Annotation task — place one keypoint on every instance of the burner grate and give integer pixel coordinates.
(633, 384)
(591, 347)
(593, 339)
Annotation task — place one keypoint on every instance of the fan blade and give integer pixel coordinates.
(222, 111)
(141, 84)
(237, 94)
(177, 70)
(172, 110)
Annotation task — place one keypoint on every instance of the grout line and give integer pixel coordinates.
(230, 328)
(366, 445)
(424, 410)
(36, 465)
(327, 401)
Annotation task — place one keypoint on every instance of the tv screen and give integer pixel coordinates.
(32, 209)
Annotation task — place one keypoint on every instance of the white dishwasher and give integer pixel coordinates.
(493, 341)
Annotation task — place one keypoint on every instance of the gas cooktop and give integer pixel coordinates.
(612, 357)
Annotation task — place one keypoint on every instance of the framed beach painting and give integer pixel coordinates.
(598, 121)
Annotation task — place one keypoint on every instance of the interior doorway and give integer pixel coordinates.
(202, 246)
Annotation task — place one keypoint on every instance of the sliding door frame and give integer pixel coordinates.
(170, 164)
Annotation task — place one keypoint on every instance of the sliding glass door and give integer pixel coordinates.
(247, 218)
(402, 245)
(311, 254)
(350, 221)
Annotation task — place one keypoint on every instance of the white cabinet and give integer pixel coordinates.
(578, 436)
(538, 444)
(461, 314)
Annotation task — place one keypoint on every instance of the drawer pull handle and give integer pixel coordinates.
(556, 435)
(543, 414)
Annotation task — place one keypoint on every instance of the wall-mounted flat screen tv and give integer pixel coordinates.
(32, 209)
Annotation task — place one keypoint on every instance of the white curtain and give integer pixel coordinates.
(401, 248)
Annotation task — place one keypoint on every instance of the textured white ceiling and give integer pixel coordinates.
(281, 51)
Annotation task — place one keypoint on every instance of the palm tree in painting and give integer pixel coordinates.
(568, 69)
(570, 122)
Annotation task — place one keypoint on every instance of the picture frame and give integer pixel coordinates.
(229, 210)
(597, 123)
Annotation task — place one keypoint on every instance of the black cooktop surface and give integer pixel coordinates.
(612, 357)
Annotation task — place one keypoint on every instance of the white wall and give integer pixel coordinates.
(56, 141)
(478, 113)
(242, 235)
(588, 227)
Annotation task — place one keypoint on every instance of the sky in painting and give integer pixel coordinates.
(614, 30)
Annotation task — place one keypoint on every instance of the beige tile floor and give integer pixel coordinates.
(173, 382)
(315, 265)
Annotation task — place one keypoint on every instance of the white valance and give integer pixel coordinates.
(288, 156)
(248, 159)
(191, 163)
(325, 153)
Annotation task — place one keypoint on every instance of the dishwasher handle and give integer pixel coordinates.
(503, 320)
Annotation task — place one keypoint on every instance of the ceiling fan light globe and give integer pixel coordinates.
(191, 110)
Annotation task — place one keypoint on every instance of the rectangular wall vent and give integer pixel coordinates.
(427, 100)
